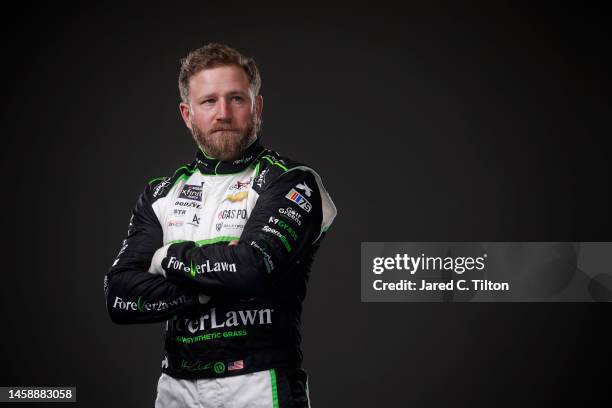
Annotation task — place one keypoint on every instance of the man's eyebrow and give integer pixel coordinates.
(206, 96)
(237, 93)
(215, 94)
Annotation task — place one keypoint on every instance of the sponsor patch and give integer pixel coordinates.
(188, 204)
(267, 258)
(231, 319)
(280, 236)
(239, 185)
(195, 221)
(223, 225)
(282, 224)
(143, 305)
(304, 186)
(178, 212)
(161, 187)
(261, 179)
(192, 192)
(175, 223)
(234, 198)
(299, 200)
(198, 269)
(232, 214)
(291, 214)
(243, 160)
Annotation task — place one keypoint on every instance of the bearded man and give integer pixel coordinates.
(221, 250)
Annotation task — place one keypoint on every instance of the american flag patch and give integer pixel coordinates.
(236, 365)
(299, 200)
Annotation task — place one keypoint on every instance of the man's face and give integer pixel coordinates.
(222, 112)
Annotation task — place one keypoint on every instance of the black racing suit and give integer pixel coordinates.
(277, 209)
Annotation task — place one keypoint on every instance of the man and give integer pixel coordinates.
(221, 250)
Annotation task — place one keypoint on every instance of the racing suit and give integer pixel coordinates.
(230, 310)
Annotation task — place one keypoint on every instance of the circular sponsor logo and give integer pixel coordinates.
(219, 367)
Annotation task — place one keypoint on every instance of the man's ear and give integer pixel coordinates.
(185, 114)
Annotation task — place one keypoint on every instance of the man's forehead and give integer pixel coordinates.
(227, 78)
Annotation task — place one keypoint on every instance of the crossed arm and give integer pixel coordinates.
(151, 282)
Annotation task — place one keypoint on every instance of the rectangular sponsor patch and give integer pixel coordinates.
(299, 200)
(192, 192)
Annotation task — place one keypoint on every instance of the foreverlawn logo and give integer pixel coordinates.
(192, 192)
(229, 320)
(198, 269)
(142, 305)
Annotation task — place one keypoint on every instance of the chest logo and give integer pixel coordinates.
(239, 185)
(192, 192)
(195, 221)
(234, 198)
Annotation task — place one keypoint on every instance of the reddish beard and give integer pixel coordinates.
(223, 141)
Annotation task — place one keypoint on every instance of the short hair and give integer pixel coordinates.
(216, 55)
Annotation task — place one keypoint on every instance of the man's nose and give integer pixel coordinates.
(223, 112)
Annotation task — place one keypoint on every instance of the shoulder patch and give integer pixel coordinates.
(160, 186)
(269, 167)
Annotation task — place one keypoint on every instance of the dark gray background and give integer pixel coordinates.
(439, 124)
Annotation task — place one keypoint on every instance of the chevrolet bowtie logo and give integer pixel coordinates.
(234, 198)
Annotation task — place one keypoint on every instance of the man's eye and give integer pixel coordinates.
(208, 101)
(237, 98)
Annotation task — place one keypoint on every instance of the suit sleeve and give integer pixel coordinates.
(282, 226)
(132, 294)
